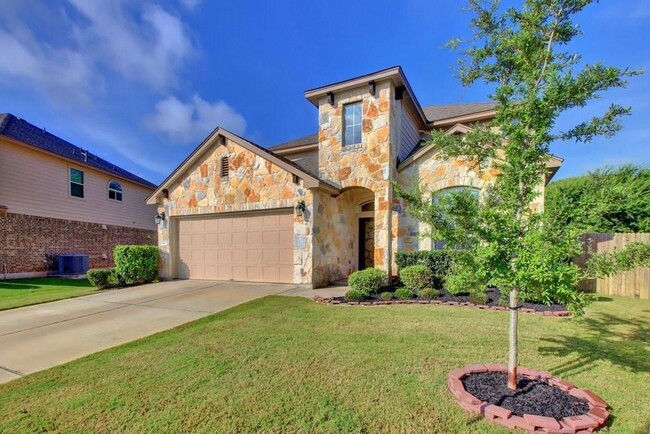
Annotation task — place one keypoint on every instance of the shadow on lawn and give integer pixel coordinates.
(606, 337)
(42, 282)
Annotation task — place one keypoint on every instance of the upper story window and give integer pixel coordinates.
(352, 124)
(225, 167)
(76, 183)
(115, 191)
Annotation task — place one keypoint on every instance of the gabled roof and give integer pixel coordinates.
(311, 139)
(436, 113)
(395, 74)
(22, 131)
(442, 115)
(310, 180)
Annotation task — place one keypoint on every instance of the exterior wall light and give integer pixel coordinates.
(300, 208)
(160, 217)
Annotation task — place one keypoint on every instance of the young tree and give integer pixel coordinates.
(522, 53)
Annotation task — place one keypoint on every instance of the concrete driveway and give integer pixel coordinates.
(38, 337)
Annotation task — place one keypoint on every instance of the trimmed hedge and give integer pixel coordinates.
(416, 277)
(356, 295)
(103, 278)
(404, 294)
(438, 261)
(135, 265)
(369, 280)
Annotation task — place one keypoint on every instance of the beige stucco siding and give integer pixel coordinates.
(35, 183)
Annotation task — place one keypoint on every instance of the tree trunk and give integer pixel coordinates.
(512, 341)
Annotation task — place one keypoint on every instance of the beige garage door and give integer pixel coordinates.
(256, 247)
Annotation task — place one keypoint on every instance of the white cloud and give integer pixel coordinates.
(147, 47)
(57, 71)
(190, 4)
(192, 121)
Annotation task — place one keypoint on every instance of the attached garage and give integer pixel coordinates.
(247, 247)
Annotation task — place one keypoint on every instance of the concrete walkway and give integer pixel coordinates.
(38, 337)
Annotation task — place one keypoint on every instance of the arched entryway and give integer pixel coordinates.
(356, 206)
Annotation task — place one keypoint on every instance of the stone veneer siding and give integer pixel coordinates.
(369, 165)
(27, 239)
(253, 184)
(434, 174)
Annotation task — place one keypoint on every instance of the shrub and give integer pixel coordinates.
(479, 297)
(369, 280)
(428, 293)
(136, 264)
(403, 294)
(356, 295)
(416, 277)
(504, 301)
(438, 261)
(386, 295)
(102, 278)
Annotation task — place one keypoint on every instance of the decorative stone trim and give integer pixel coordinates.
(590, 422)
(332, 301)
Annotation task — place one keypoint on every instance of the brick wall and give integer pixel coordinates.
(25, 240)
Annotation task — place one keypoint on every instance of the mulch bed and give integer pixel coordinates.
(451, 299)
(533, 396)
(542, 403)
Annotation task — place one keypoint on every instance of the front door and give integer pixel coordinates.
(366, 243)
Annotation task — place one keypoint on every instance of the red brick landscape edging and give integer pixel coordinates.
(331, 301)
(588, 423)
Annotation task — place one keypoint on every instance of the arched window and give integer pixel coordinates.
(368, 206)
(475, 192)
(115, 191)
(440, 194)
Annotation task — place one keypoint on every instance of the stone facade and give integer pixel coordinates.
(369, 165)
(326, 239)
(28, 240)
(254, 183)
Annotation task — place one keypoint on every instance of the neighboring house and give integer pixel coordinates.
(316, 209)
(56, 197)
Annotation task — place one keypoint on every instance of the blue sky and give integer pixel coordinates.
(142, 83)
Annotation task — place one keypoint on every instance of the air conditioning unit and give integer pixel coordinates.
(73, 263)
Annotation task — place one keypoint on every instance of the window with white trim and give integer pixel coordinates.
(115, 191)
(352, 124)
(76, 183)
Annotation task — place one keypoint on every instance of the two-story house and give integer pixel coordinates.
(314, 210)
(56, 198)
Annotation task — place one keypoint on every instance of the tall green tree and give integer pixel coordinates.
(605, 200)
(523, 54)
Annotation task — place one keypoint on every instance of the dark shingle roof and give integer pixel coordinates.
(21, 130)
(307, 140)
(438, 112)
(433, 113)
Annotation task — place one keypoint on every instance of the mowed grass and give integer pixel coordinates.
(24, 292)
(282, 364)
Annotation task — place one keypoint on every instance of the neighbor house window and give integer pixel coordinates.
(352, 124)
(224, 167)
(115, 191)
(76, 183)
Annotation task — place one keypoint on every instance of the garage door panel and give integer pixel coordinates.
(245, 247)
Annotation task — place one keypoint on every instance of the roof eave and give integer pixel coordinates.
(313, 95)
(471, 117)
(309, 181)
(73, 161)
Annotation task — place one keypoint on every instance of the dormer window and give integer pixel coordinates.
(352, 124)
(115, 191)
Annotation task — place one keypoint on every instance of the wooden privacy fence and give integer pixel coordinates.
(634, 283)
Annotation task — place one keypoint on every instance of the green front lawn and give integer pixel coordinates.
(281, 364)
(23, 292)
